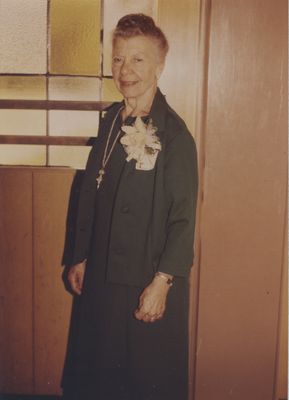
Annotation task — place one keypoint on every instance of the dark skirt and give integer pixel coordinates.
(113, 356)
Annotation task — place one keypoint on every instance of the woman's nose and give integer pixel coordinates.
(125, 68)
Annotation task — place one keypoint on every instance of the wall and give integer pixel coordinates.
(243, 209)
(35, 308)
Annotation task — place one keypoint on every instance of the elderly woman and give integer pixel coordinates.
(134, 240)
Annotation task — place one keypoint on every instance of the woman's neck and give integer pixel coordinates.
(139, 106)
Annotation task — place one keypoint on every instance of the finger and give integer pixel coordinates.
(142, 315)
(74, 284)
(79, 279)
(146, 318)
(76, 289)
(139, 314)
(155, 317)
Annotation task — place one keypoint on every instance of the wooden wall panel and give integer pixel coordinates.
(244, 191)
(16, 294)
(281, 384)
(52, 303)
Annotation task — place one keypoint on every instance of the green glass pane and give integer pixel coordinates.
(75, 37)
(74, 88)
(109, 91)
(23, 87)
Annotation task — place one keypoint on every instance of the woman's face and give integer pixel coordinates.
(136, 65)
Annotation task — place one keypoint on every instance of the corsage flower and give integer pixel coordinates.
(141, 144)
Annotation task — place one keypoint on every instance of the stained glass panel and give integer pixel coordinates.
(68, 156)
(73, 123)
(75, 37)
(17, 154)
(23, 87)
(74, 88)
(109, 91)
(22, 122)
(23, 36)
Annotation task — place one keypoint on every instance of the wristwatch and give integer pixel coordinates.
(169, 281)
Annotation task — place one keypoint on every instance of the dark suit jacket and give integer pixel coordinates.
(166, 196)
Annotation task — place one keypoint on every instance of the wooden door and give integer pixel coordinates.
(243, 201)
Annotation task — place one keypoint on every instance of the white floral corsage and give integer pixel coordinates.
(141, 144)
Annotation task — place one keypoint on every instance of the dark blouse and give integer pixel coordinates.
(105, 199)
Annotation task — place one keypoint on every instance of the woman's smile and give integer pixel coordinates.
(128, 83)
(136, 66)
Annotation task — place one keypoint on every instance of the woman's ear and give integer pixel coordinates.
(159, 70)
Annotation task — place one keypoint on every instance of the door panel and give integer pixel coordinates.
(244, 197)
(16, 284)
(52, 303)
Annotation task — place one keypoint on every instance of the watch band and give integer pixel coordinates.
(169, 281)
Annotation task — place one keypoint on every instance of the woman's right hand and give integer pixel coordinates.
(75, 277)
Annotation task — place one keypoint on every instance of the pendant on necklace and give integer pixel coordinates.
(101, 172)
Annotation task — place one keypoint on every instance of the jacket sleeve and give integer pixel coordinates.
(181, 186)
(86, 205)
(85, 212)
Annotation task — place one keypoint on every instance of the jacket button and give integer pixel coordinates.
(125, 209)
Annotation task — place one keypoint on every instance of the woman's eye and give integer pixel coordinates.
(138, 59)
(116, 60)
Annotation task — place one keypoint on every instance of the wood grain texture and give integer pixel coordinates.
(52, 303)
(47, 140)
(54, 105)
(16, 294)
(244, 193)
(281, 383)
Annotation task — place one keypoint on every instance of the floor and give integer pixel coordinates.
(25, 397)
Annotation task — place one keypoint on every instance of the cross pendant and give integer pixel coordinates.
(100, 177)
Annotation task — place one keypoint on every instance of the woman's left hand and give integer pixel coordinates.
(152, 302)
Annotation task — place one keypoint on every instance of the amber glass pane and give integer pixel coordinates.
(68, 156)
(73, 123)
(22, 122)
(109, 91)
(22, 154)
(113, 11)
(75, 37)
(23, 87)
(23, 33)
(74, 88)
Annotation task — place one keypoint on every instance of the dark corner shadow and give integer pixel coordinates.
(70, 226)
